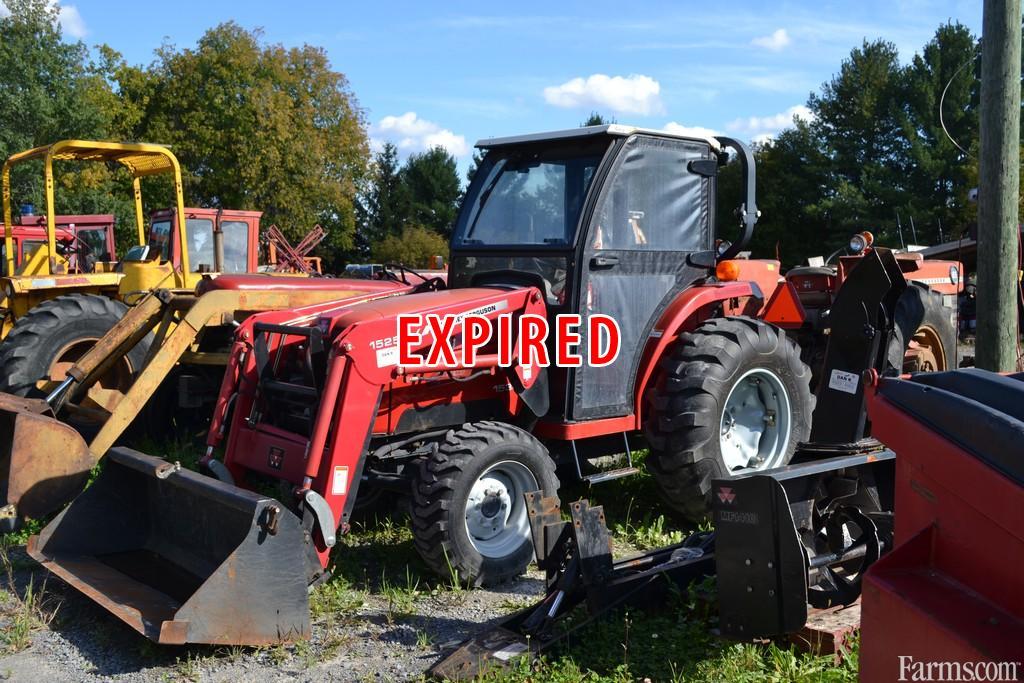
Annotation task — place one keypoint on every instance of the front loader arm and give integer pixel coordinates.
(34, 467)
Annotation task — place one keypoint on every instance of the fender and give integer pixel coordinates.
(682, 315)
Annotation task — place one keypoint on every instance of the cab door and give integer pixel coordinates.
(654, 211)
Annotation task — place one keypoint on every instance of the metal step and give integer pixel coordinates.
(607, 475)
(610, 475)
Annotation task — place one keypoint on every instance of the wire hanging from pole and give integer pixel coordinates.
(942, 99)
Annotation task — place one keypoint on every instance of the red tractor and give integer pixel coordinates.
(601, 221)
(95, 232)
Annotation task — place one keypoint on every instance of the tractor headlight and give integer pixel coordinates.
(723, 246)
(858, 243)
(954, 275)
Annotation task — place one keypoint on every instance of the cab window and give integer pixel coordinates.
(28, 246)
(654, 203)
(199, 232)
(160, 240)
(236, 246)
(96, 241)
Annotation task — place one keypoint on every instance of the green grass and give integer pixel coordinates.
(377, 561)
(23, 611)
(673, 644)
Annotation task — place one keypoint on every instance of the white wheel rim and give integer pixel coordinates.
(496, 519)
(755, 423)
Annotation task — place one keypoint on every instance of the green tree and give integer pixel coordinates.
(478, 158)
(858, 118)
(412, 247)
(258, 126)
(432, 182)
(939, 173)
(389, 197)
(793, 175)
(596, 119)
(49, 91)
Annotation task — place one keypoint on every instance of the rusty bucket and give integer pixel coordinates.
(43, 462)
(180, 557)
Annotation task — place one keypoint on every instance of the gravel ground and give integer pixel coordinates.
(365, 643)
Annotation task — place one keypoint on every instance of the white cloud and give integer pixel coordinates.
(778, 40)
(409, 133)
(4, 12)
(763, 128)
(690, 131)
(634, 94)
(71, 21)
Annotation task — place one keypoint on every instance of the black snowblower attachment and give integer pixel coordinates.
(180, 557)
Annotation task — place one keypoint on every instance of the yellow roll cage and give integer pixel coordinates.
(141, 160)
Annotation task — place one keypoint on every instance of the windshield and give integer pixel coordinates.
(160, 239)
(521, 198)
(96, 244)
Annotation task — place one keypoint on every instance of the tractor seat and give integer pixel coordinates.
(277, 283)
(811, 270)
(982, 412)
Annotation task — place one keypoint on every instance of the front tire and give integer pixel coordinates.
(52, 336)
(469, 517)
(733, 397)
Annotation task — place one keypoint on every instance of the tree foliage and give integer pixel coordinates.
(875, 156)
(424, 192)
(432, 182)
(258, 126)
(412, 247)
(49, 90)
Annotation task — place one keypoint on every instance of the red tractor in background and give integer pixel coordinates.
(95, 231)
(608, 220)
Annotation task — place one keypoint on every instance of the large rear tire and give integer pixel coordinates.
(52, 336)
(733, 397)
(925, 334)
(468, 514)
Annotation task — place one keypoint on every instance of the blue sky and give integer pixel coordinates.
(453, 72)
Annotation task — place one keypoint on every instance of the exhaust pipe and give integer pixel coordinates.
(180, 557)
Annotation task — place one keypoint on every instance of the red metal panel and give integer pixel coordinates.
(950, 591)
(570, 431)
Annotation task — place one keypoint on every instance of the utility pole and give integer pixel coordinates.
(999, 185)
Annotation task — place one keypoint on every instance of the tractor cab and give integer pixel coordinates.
(85, 241)
(217, 240)
(608, 219)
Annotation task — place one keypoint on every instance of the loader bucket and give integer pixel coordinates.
(43, 462)
(180, 557)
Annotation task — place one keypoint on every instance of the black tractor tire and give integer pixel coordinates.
(36, 339)
(921, 316)
(442, 490)
(685, 408)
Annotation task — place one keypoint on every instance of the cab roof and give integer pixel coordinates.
(141, 159)
(613, 129)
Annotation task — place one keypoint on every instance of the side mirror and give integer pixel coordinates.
(747, 211)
